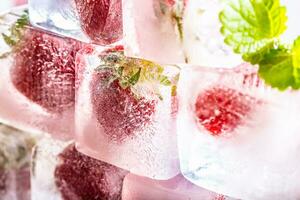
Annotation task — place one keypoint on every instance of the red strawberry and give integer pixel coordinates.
(81, 177)
(125, 93)
(44, 70)
(101, 20)
(220, 109)
(118, 110)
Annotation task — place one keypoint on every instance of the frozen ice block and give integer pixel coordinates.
(177, 31)
(237, 136)
(44, 161)
(141, 188)
(37, 78)
(150, 33)
(15, 151)
(60, 172)
(125, 112)
(96, 21)
(202, 41)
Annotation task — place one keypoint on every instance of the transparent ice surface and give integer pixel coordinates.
(203, 42)
(15, 151)
(237, 136)
(89, 21)
(178, 32)
(200, 43)
(149, 34)
(60, 172)
(37, 80)
(60, 14)
(44, 161)
(131, 128)
(141, 188)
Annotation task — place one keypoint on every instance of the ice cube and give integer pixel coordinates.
(60, 172)
(203, 43)
(44, 161)
(141, 188)
(37, 80)
(95, 21)
(176, 31)
(15, 151)
(5, 5)
(125, 112)
(149, 33)
(237, 136)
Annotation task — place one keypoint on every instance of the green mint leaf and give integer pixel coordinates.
(258, 56)
(280, 67)
(277, 68)
(296, 61)
(252, 28)
(249, 25)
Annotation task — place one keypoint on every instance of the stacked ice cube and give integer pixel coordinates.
(127, 125)
(59, 171)
(124, 116)
(37, 77)
(243, 136)
(184, 31)
(93, 21)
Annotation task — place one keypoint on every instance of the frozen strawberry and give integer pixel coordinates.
(81, 177)
(118, 110)
(220, 110)
(44, 69)
(80, 62)
(101, 20)
(125, 93)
